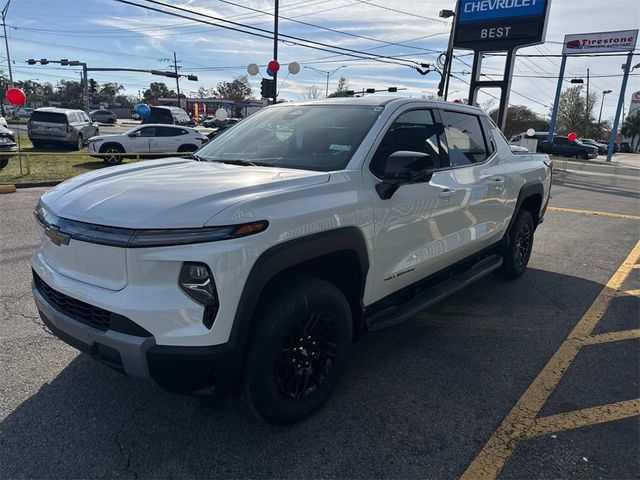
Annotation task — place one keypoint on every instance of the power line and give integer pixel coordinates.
(262, 33)
(367, 2)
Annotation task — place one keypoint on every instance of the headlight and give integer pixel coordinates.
(197, 282)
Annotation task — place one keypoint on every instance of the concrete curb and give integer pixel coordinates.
(7, 188)
(29, 185)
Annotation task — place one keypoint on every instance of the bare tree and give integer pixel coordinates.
(312, 93)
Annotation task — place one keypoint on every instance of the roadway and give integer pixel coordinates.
(536, 378)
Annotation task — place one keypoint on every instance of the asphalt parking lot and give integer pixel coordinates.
(537, 378)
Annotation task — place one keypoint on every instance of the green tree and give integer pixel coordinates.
(631, 127)
(237, 90)
(157, 90)
(572, 111)
(341, 89)
(520, 119)
(69, 94)
(109, 91)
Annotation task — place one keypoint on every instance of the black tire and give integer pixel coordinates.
(581, 155)
(114, 150)
(3, 162)
(79, 142)
(111, 120)
(187, 148)
(37, 144)
(516, 257)
(307, 322)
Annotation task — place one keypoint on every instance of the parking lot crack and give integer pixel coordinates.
(127, 454)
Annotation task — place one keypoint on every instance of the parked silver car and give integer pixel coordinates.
(103, 116)
(60, 125)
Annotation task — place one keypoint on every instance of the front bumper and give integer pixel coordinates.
(187, 370)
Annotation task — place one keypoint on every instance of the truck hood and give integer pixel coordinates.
(168, 193)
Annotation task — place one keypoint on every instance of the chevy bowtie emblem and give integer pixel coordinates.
(56, 237)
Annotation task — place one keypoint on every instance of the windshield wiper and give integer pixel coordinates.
(244, 163)
(193, 156)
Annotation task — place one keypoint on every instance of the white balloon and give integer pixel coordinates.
(293, 67)
(221, 114)
(253, 69)
(531, 132)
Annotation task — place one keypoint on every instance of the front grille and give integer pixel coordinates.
(95, 317)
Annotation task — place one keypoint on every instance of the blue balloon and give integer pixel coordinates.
(269, 72)
(143, 110)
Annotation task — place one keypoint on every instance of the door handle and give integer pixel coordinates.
(447, 192)
(497, 179)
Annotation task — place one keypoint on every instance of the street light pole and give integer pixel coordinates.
(586, 113)
(328, 74)
(6, 39)
(605, 92)
(443, 87)
(275, 49)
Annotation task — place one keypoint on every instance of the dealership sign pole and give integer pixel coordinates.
(498, 26)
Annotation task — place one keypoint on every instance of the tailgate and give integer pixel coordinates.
(48, 129)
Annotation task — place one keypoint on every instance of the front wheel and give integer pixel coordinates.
(581, 155)
(79, 142)
(3, 162)
(112, 154)
(516, 257)
(298, 349)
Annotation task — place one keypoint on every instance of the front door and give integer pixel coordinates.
(416, 229)
(138, 141)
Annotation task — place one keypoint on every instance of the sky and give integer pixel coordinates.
(106, 33)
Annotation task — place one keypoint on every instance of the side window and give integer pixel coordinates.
(85, 117)
(72, 118)
(167, 132)
(412, 131)
(147, 132)
(466, 143)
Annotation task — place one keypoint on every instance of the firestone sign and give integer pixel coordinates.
(496, 25)
(601, 42)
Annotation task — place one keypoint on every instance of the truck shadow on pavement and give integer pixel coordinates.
(418, 401)
(580, 182)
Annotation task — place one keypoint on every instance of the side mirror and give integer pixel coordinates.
(404, 167)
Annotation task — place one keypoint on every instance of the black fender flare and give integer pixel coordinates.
(279, 258)
(527, 190)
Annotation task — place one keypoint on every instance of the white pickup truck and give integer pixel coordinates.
(253, 266)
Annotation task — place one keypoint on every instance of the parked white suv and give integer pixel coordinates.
(256, 268)
(147, 139)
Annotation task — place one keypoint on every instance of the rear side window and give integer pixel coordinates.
(466, 142)
(49, 117)
(167, 132)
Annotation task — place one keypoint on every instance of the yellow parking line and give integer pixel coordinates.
(630, 293)
(594, 212)
(612, 337)
(522, 416)
(584, 417)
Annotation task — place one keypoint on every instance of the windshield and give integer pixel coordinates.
(309, 137)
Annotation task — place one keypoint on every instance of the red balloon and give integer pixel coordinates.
(572, 137)
(274, 66)
(15, 96)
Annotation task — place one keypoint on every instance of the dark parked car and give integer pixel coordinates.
(602, 147)
(563, 147)
(223, 126)
(8, 147)
(168, 116)
(625, 147)
(103, 116)
(60, 126)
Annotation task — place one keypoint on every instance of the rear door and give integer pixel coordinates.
(167, 139)
(479, 174)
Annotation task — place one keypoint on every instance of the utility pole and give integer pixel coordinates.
(443, 87)
(6, 39)
(586, 113)
(175, 69)
(275, 49)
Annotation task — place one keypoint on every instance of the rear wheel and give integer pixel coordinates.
(581, 155)
(113, 154)
(111, 120)
(516, 257)
(3, 162)
(298, 350)
(79, 142)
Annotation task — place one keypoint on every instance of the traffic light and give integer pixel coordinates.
(44, 61)
(393, 89)
(267, 88)
(93, 85)
(31, 61)
(64, 61)
(193, 78)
